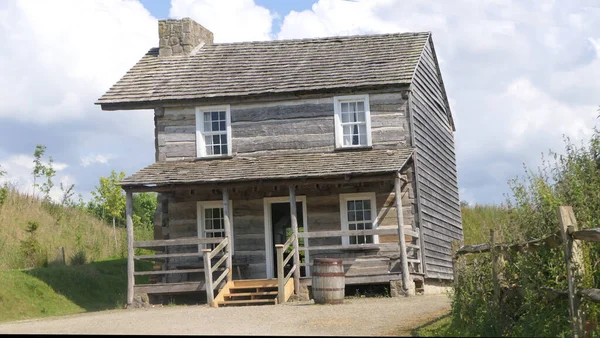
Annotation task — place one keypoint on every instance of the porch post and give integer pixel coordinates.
(400, 216)
(130, 267)
(227, 225)
(295, 231)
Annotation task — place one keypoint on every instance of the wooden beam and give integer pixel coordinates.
(353, 247)
(295, 232)
(338, 233)
(177, 241)
(167, 288)
(208, 278)
(568, 225)
(130, 253)
(228, 227)
(403, 255)
(591, 235)
(280, 276)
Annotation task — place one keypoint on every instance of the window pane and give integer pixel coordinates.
(207, 126)
(368, 225)
(224, 149)
(347, 130)
(207, 213)
(222, 126)
(347, 140)
(358, 205)
(362, 134)
(352, 226)
(344, 107)
(355, 139)
(215, 125)
(359, 216)
(351, 216)
(360, 117)
(351, 106)
(352, 239)
(345, 117)
(209, 150)
(360, 106)
(215, 139)
(350, 205)
(367, 204)
(222, 116)
(361, 239)
(208, 140)
(367, 214)
(223, 138)
(208, 224)
(217, 149)
(207, 117)
(214, 115)
(369, 239)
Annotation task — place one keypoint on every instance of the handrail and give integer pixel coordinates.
(281, 262)
(289, 275)
(209, 268)
(366, 232)
(289, 242)
(290, 255)
(177, 241)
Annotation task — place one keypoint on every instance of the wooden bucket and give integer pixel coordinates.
(328, 283)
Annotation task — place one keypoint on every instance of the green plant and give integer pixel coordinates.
(78, 258)
(33, 254)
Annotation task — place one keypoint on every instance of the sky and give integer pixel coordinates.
(520, 75)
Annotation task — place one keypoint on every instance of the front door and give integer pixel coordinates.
(278, 229)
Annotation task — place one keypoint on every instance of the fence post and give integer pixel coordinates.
(568, 225)
(496, 268)
(210, 296)
(280, 275)
(64, 259)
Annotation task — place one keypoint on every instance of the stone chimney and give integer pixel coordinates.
(181, 37)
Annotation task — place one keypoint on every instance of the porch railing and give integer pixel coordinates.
(366, 246)
(281, 262)
(209, 269)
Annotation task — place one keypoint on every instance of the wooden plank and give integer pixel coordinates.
(591, 235)
(279, 112)
(130, 252)
(288, 290)
(208, 278)
(225, 273)
(302, 126)
(591, 294)
(168, 288)
(218, 248)
(403, 256)
(568, 225)
(354, 247)
(339, 233)
(280, 277)
(294, 220)
(192, 254)
(228, 233)
(166, 272)
(219, 262)
(178, 241)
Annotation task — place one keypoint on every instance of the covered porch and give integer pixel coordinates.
(265, 221)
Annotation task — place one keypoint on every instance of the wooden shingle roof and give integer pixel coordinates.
(281, 66)
(280, 167)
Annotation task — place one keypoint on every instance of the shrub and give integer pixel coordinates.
(79, 258)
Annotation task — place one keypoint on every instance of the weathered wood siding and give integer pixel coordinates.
(323, 211)
(281, 126)
(435, 167)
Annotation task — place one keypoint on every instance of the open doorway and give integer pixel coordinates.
(278, 229)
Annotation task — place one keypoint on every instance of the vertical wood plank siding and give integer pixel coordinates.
(283, 126)
(436, 167)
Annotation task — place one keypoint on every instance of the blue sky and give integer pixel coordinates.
(520, 75)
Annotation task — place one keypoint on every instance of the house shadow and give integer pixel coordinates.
(94, 286)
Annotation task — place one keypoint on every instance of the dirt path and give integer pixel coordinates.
(356, 317)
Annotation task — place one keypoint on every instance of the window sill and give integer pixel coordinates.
(363, 148)
(209, 158)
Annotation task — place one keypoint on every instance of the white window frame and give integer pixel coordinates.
(339, 132)
(200, 206)
(200, 142)
(344, 198)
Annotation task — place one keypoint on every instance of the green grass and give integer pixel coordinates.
(63, 290)
(437, 328)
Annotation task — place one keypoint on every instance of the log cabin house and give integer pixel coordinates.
(270, 154)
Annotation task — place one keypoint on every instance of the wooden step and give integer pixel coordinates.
(235, 289)
(248, 302)
(260, 293)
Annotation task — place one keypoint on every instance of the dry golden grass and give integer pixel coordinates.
(75, 230)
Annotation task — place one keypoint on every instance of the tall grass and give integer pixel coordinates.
(58, 226)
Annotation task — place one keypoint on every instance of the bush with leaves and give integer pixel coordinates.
(531, 212)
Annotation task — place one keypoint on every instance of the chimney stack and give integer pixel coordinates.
(181, 37)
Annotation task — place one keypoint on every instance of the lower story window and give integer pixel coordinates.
(211, 221)
(358, 212)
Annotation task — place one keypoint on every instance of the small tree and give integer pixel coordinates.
(111, 197)
(3, 189)
(42, 170)
(67, 194)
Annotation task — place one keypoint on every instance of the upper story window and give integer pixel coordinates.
(352, 121)
(213, 131)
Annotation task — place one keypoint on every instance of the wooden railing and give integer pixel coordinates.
(366, 246)
(281, 262)
(565, 237)
(209, 269)
(206, 254)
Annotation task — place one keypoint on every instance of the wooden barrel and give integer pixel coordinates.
(328, 283)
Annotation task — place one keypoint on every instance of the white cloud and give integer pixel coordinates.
(95, 158)
(230, 21)
(58, 57)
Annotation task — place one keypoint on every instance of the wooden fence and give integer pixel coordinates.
(568, 236)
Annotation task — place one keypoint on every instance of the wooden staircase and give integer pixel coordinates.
(250, 292)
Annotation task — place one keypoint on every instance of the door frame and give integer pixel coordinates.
(269, 246)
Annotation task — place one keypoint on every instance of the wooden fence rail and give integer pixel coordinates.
(566, 236)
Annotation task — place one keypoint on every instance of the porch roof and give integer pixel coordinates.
(279, 167)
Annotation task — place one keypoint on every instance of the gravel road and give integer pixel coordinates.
(356, 317)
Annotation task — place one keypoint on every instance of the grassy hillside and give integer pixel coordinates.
(57, 227)
(62, 290)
